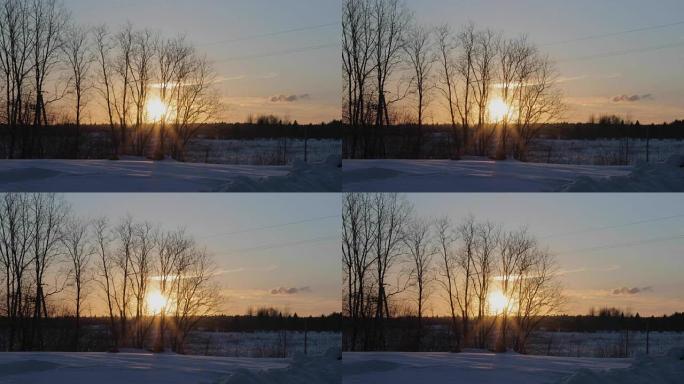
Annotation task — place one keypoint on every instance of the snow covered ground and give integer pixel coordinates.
(603, 151)
(603, 344)
(147, 368)
(137, 175)
(260, 151)
(489, 368)
(478, 175)
(262, 344)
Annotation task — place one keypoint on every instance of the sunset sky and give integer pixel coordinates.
(261, 70)
(634, 265)
(294, 267)
(636, 75)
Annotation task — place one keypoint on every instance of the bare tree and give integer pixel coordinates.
(79, 250)
(447, 45)
(125, 40)
(76, 48)
(390, 215)
(125, 232)
(487, 240)
(15, 62)
(446, 239)
(104, 47)
(538, 101)
(539, 294)
(420, 251)
(143, 244)
(195, 102)
(15, 245)
(172, 57)
(391, 19)
(513, 58)
(515, 248)
(142, 71)
(103, 239)
(358, 44)
(486, 51)
(48, 20)
(171, 250)
(196, 295)
(418, 48)
(48, 215)
(467, 232)
(466, 70)
(357, 241)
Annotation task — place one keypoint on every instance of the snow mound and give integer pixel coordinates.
(303, 370)
(646, 369)
(303, 177)
(368, 366)
(30, 173)
(27, 366)
(645, 177)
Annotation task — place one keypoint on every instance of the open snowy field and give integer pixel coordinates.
(603, 344)
(137, 175)
(603, 151)
(147, 368)
(478, 175)
(262, 344)
(261, 151)
(489, 368)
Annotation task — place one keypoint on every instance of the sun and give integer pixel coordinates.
(498, 302)
(156, 302)
(498, 110)
(156, 110)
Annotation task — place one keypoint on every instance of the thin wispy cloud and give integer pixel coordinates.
(632, 98)
(564, 272)
(290, 291)
(289, 98)
(631, 291)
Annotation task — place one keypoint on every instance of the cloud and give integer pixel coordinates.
(564, 272)
(630, 291)
(289, 291)
(632, 98)
(289, 98)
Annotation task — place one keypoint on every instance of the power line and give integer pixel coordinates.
(622, 245)
(611, 34)
(624, 52)
(596, 229)
(255, 229)
(271, 34)
(283, 245)
(280, 53)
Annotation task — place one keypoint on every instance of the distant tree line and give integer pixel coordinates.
(276, 321)
(438, 333)
(54, 264)
(399, 138)
(496, 284)
(614, 127)
(154, 92)
(255, 130)
(496, 91)
(613, 319)
(58, 139)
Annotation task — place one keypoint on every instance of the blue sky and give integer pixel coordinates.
(248, 83)
(573, 225)
(248, 275)
(590, 84)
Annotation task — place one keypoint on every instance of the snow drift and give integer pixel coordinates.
(646, 369)
(645, 177)
(303, 177)
(303, 370)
